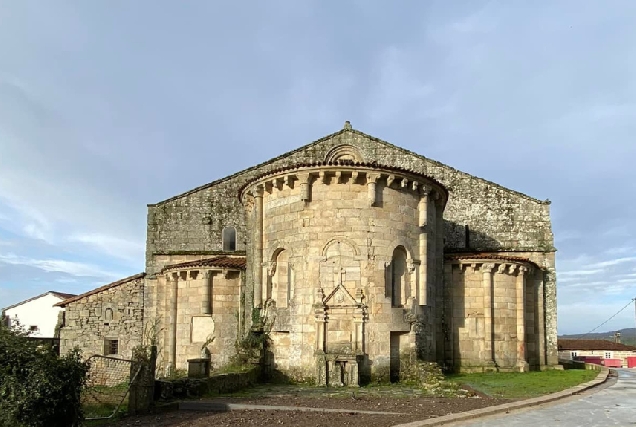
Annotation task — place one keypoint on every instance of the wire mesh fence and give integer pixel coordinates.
(108, 384)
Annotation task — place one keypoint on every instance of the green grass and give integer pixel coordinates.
(515, 385)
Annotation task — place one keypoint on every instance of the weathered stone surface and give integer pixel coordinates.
(115, 313)
(357, 251)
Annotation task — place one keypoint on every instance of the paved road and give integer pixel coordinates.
(614, 405)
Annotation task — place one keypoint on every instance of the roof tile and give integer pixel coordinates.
(576, 344)
(100, 289)
(220, 261)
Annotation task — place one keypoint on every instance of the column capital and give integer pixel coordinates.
(303, 177)
(258, 190)
(487, 267)
(372, 177)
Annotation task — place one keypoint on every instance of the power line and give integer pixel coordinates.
(613, 316)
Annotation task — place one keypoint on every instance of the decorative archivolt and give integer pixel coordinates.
(344, 152)
(341, 242)
(401, 241)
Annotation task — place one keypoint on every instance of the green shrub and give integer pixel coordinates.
(38, 388)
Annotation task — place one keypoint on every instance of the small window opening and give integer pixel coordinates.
(33, 328)
(398, 277)
(466, 237)
(111, 347)
(229, 239)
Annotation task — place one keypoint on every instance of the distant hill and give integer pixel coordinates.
(628, 336)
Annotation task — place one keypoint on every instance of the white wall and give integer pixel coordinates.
(39, 312)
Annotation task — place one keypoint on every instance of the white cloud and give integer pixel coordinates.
(72, 268)
(579, 272)
(620, 250)
(401, 91)
(129, 250)
(612, 262)
(565, 235)
(27, 220)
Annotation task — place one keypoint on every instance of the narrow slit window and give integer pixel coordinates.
(229, 239)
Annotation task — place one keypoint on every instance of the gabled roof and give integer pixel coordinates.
(603, 345)
(346, 129)
(60, 295)
(221, 262)
(100, 289)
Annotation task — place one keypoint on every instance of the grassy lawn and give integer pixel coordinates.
(515, 385)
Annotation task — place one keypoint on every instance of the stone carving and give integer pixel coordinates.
(359, 192)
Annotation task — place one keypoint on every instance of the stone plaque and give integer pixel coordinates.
(202, 328)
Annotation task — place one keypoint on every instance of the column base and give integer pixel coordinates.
(523, 367)
(490, 366)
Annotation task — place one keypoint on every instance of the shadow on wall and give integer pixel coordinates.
(461, 238)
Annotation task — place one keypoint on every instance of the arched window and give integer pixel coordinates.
(398, 277)
(229, 239)
(281, 280)
(108, 314)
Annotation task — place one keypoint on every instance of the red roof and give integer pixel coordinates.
(488, 256)
(100, 289)
(220, 261)
(604, 345)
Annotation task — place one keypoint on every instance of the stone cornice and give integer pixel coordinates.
(360, 172)
(495, 265)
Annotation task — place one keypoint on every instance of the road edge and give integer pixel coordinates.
(506, 407)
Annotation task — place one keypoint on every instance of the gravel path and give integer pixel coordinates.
(409, 409)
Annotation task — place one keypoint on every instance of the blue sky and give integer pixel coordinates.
(108, 106)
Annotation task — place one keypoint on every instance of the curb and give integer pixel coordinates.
(491, 410)
(225, 407)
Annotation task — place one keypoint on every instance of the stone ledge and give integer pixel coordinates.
(166, 389)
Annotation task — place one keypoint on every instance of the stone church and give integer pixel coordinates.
(350, 252)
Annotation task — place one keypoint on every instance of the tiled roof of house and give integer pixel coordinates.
(220, 261)
(576, 344)
(487, 256)
(55, 293)
(100, 289)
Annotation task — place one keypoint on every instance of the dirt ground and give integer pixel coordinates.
(409, 409)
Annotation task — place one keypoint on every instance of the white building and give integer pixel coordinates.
(38, 314)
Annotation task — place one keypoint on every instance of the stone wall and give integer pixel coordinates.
(337, 230)
(479, 216)
(186, 324)
(497, 218)
(88, 321)
(491, 325)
